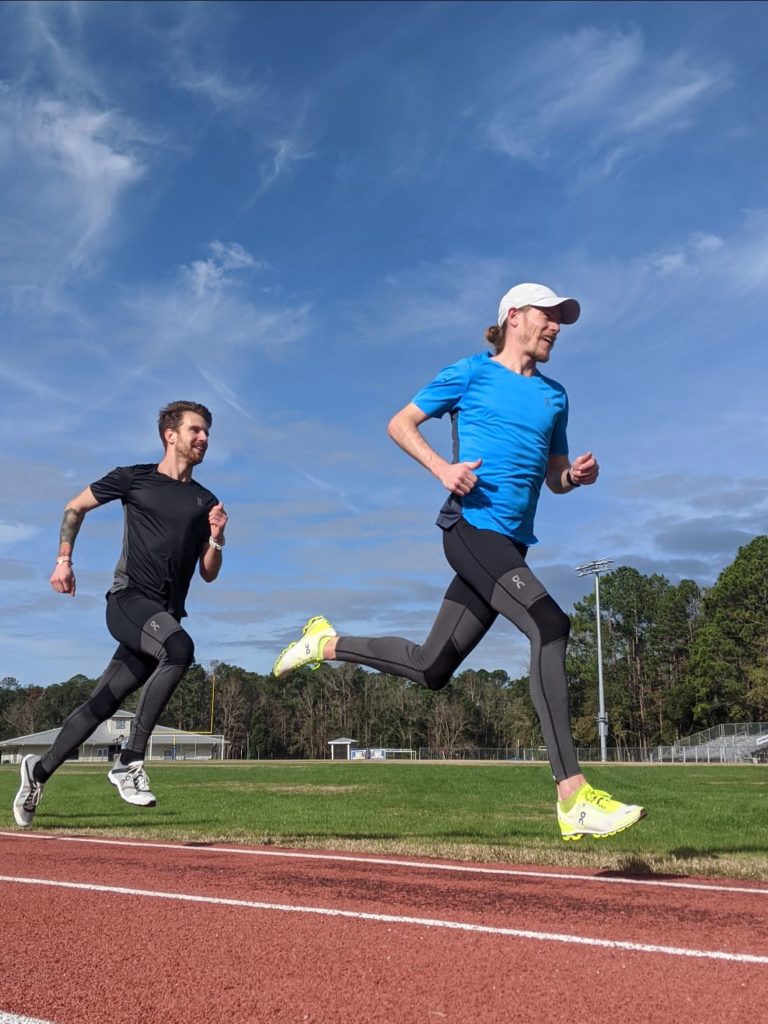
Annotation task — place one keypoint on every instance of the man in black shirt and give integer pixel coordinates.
(172, 524)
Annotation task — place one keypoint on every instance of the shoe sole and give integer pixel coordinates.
(575, 836)
(133, 803)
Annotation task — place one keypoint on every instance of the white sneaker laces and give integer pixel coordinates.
(138, 777)
(35, 795)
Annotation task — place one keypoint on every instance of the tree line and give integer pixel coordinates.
(676, 658)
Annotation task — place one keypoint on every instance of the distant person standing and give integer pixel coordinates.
(509, 427)
(172, 525)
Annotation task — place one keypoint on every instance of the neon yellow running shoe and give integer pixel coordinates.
(593, 812)
(306, 651)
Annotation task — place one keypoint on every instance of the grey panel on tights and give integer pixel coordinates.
(521, 584)
(156, 631)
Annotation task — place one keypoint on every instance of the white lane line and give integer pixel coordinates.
(13, 1018)
(426, 922)
(422, 865)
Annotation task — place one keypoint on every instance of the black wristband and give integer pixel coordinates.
(570, 479)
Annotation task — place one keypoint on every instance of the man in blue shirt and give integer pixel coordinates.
(509, 437)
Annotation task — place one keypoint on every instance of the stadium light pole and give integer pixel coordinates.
(596, 566)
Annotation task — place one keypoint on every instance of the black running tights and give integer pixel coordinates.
(491, 579)
(154, 652)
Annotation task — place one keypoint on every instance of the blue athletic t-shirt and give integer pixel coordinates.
(513, 423)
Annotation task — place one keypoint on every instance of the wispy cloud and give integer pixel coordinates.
(30, 384)
(283, 153)
(683, 275)
(211, 275)
(600, 99)
(212, 303)
(225, 392)
(278, 133)
(329, 488)
(741, 259)
(65, 169)
(49, 39)
(432, 299)
(192, 46)
(214, 86)
(14, 533)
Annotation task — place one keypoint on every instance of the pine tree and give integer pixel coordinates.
(730, 651)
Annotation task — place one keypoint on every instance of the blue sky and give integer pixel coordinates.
(296, 214)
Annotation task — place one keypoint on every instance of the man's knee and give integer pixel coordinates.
(434, 680)
(438, 673)
(179, 648)
(550, 620)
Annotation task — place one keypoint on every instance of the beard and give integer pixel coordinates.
(191, 453)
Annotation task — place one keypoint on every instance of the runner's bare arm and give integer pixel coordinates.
(210, 556)
(403, 428)
(563, 475)
(63, 577)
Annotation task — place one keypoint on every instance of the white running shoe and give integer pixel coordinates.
(30, 793)
(308, 650)
(132, 783)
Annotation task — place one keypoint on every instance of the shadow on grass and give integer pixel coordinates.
(637, 868)
(690, 853)
(64, 823)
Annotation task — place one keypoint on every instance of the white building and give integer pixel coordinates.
(165, 744)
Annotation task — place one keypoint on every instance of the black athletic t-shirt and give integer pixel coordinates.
(166, 526)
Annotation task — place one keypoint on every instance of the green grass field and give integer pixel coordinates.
(702, 820)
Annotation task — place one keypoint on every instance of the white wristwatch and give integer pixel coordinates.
(215, 544)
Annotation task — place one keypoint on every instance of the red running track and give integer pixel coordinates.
(99, 930)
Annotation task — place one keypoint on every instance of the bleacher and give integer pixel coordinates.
(733, 743)
(382, 754)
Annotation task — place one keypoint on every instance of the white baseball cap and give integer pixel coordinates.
(537, 295)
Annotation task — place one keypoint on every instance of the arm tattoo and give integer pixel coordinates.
(70, 525)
